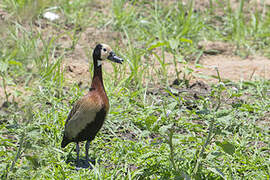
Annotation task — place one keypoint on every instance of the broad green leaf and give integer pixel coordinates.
(33, 160)
(263, 35)
(248, 107)
(248, 83)
(186, 40)
(158, 44)
(150, 120)
(12, 62)
(2, 153)
(192, 139)
(226, 147)
(222, 113)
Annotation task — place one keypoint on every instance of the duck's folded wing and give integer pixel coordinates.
(82, 113)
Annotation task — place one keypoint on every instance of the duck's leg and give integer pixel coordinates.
(78, 153)
(87, 144)
(86, 164)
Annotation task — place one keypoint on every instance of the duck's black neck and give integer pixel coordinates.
(97, 81)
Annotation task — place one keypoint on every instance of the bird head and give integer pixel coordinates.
(103, 52)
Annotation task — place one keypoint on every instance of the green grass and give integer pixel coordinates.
(151, 131)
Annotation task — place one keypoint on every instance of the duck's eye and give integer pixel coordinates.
(104, 49)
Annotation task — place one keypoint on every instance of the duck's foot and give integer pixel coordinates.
(85, 164)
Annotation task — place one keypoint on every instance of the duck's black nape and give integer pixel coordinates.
(97, 52)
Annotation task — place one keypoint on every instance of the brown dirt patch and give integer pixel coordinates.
(16, 93)
(219, 6)
(217, 55)
(234, 68)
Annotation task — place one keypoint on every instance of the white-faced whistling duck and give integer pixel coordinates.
(88, 114)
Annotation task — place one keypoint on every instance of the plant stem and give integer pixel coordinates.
(210, 135)
(171, 149)
(207, 141)
(175, 66)
(5, 86)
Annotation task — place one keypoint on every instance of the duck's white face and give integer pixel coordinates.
(105, 51)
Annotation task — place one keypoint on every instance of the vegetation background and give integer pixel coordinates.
(191, 101)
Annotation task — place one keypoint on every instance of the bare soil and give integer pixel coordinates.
(234, 68)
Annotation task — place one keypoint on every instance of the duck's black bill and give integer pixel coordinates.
(115, 58)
